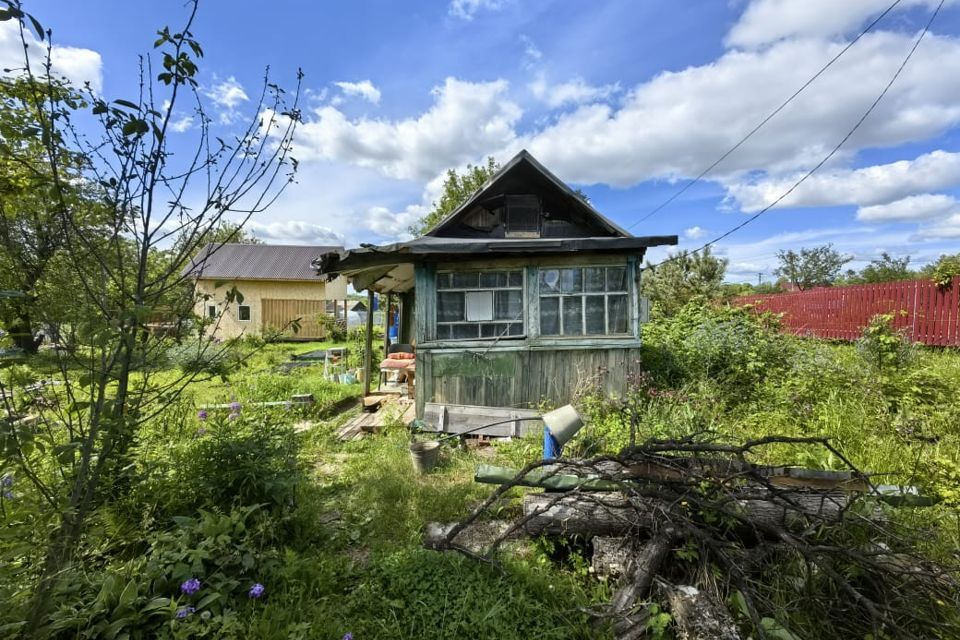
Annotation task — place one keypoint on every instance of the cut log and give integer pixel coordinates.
(476, 537)
(611, 555)
(612, 514)
(698, 615)
(642, 570)
(587, 514)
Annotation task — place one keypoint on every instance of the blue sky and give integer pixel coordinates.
(624, 99)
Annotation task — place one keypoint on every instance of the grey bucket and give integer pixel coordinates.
(424, 455)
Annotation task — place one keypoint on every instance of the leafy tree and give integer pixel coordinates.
(30, 239)
(944, 270)
(226, 232)
(77, 452)
(683, 277)
(457, 188)
(886, 268)
(815, 267)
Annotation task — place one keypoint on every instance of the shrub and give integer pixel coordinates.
(226, 462)
(728, 344)
(192, 581)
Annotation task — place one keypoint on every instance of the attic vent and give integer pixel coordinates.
(523, 216)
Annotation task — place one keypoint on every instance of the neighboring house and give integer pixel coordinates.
(277, 283)
(521, 295)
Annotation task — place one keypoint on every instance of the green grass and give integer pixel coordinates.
(345, 553)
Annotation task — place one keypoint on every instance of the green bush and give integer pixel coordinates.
(250, 459)
(145, 597)
(728, 344)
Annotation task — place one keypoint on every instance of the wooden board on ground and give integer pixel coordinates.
(391, 409)
(457, 418)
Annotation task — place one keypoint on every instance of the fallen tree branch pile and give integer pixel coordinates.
(712, 537)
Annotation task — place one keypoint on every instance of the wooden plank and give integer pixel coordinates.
(278, 313)
(459, 418)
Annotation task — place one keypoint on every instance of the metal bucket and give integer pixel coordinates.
(424, 455)
(563, 423)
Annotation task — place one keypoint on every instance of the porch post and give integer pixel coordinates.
(368, 346)
(386, 324)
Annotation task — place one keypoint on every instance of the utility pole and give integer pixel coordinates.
(759, 278)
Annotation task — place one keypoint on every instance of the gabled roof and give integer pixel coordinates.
(256, 262)
(520, 161)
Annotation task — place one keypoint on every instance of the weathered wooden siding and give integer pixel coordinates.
(519, 378)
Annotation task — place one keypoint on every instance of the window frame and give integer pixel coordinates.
(629, 292)
(213, 311)
(240, 317)
(522, 320)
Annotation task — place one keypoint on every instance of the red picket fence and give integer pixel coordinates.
(925, 312)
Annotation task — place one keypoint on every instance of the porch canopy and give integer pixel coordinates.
(389, 268)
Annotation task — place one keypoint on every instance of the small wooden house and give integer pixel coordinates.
(278, 285)
(520, 295)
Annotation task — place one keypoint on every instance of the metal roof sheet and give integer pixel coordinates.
(257, 262)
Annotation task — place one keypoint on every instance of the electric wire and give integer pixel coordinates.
(767, 119)
(823, 161)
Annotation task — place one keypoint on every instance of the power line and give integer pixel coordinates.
(763, 122)
(825, 159)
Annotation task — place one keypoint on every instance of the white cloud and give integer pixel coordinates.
(394, 225)
(76, 64)
(694, 233)
(181, 124)
(675, 124)
(295, 232)
(363, 89)
(911, 209)
(874, 185)
(466, 121)
(227, 96)
(947, 229)
(531, 53)
(575, 91)
(468, 9)
(766, 21)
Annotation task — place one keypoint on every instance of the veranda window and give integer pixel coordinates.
(473, 305)
(584, 301)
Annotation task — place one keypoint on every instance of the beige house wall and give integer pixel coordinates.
(254, 292)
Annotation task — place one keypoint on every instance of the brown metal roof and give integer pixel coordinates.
(257, 262)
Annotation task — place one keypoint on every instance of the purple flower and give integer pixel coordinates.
(9, 495)
(190, 587)
(233, 416)
(256, 590)
(348, 636)
(235, 407)
(202, 415)
(183, 612)
(201, 431)
(7, 480)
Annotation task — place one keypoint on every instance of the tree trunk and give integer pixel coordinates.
(21, 331)
(611, 555)
(611, 514)
(476, 537)
(642, 570)
(588, 514)
(697, 615)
